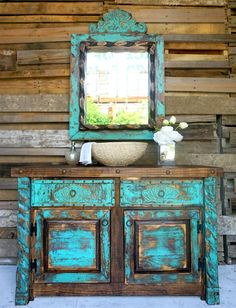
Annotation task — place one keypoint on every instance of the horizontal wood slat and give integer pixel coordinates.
(38, 138)
(62, 85)
(178, 105)
(174, 2)
(34, 103)
(32, 8)
(33, 117)
(226, 161)
(63, 34)
(200, 105)
(175, 15)
(200, 84)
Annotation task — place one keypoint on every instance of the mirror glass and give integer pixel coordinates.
(116, 88)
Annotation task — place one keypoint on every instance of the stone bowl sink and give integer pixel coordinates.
(118, 154)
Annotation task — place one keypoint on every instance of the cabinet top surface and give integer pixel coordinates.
(45, 171)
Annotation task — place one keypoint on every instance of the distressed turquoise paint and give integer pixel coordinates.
(161, 253)
(114, 135)
(23, 237)
(130, 217)
(39, 242)
(117, 26)
(210, 236)
(65, 256)
(72, 248)
(158, 193)
(160, 86)
(118, 21)
(73, 192)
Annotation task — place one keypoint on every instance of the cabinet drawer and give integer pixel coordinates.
(157, 193)
(72, 192)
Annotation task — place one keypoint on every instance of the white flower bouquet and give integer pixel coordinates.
(168, 133)
(166, 137)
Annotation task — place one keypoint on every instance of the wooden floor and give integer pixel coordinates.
(227, 293)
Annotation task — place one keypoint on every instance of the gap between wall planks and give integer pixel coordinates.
(200, 59)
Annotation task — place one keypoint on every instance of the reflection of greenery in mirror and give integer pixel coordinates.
(116, 85)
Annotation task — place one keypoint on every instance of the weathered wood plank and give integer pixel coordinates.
(229, 120)
(32, 72)
(188, 84)
(25, 57)
(47, 8)
(204, 38)
(227, 225)
(8, 205)
(32, 160)
(41, 34)
(54, 85)
(174, 2)
(62, 85)
(197, 64)
(8, 195)
(34, 103)
(48, 18)
(197, 147)
(200, 105)
(188, 46)
(8, 218)
(178, 105)
(34, 126)
(40, 138)
(197, 72)
(31, 152)
(226, 161)
(33, 117)
(7, 233)
(8, 248)
(7, 60)
(174, 14)
(195, 28)
(63, 34)
(8, 183)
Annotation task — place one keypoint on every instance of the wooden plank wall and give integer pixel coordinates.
(200, 60)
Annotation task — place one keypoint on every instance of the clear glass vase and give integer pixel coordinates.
(166, 154)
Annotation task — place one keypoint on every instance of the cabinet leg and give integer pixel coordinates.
(212, 296)
(21, 298)
(210, 246)
(23, 237)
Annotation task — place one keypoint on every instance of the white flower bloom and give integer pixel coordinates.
(183, 125)
(166, 129)
(172, 120)
(165, 122)
(162, 138)
(176, 136)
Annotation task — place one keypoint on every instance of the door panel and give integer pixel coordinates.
(170, 239)
(161, 246)
(72, 246)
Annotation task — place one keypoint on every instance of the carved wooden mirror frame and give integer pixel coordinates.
(116, 29)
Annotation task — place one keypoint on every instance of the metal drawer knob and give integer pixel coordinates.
(72, 193)
(161, 193)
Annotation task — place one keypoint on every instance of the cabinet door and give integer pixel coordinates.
(72, 246)
(161, 246)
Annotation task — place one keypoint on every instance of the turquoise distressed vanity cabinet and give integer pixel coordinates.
(116, 231)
